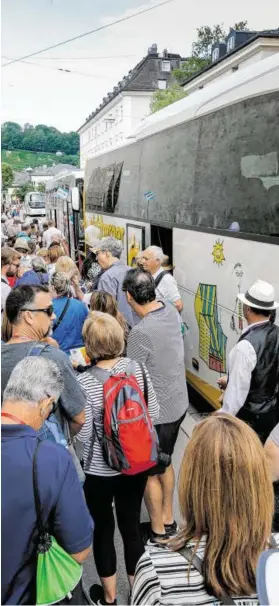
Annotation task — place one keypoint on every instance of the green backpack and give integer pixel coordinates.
(57, 572)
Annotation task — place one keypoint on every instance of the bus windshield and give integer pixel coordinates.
(37, 201)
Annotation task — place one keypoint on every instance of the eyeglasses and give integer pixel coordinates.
(48, 310)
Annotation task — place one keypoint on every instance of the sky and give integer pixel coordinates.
(41, 94)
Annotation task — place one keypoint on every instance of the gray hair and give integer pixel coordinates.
(38, 264)
(33, 379)
(61, 283)
(112, 245)
(157, 253)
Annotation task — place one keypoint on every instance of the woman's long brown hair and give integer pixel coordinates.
(225, 493)
(105, 302)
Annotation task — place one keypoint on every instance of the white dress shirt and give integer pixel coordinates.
(167, 289)
(241, 363)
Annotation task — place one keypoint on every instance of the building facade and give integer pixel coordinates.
(122, 109)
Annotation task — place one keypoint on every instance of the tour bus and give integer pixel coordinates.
(64, 205)
(200, 178)
(35, 204)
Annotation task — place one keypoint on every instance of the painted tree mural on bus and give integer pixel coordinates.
(212, 340)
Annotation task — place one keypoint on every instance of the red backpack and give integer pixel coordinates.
(130, 442)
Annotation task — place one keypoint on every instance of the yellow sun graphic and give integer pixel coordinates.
(218, 252)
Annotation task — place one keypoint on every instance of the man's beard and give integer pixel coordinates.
(10, 274)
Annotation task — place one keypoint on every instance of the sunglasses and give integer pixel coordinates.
(48, 310)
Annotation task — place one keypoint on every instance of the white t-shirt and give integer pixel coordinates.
(47, 235)
(167, 288)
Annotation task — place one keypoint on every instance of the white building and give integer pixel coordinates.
(122, 110)
(240, 50)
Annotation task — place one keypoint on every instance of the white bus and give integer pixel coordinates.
(200, 178)
(35, 204)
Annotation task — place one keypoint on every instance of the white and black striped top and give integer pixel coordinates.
(94, 410)
(161, 579)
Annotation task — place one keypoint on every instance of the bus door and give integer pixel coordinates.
(162, 236)
(71, 232)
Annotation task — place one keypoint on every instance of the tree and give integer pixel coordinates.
(39, 138)
(41, 187)
(20, 191)
(11, 135)
(189, 68)
(162, 98)
(206, 37)
(7, 175)
(241, 25)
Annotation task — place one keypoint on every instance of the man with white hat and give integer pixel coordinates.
(252, 388)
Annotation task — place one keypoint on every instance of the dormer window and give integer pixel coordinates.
(166, 66)
(215, 54)
(230, 44)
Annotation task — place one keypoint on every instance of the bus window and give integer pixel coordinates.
(103, 188)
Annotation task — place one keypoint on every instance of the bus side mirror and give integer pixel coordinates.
(75, 198)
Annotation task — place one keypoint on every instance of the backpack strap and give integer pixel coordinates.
(37, 349)
(101, 374)
(145, 384)
(62, 315)
(40, 523)
(160, 277)
(197, 562)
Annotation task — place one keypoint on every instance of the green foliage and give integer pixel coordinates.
(162, 98)
(201, 49)
(206, 37)
(20, 192)
(20, 159)
(241, 25)
(190, 67)
(7, 175)
(41, 187)
(39, 138)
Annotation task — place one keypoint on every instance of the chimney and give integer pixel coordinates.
(153, 49)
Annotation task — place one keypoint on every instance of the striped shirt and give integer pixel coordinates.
(161, 579)
(94, 410)
(157, 342)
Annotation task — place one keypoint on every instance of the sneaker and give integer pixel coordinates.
(97, 595)
(171, 529)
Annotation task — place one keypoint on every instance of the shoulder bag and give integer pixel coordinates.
(61, 315)
(197, 562)
(57, 572)
(160, 277)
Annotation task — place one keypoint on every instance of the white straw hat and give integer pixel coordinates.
(260, 295)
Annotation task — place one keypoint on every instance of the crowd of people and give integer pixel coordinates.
(93, 372)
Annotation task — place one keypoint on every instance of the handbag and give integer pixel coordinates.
(57, 572)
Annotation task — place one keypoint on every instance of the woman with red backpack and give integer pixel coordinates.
(120, 445)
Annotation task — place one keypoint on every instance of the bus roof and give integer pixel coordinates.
(64, 177)
(256, 79)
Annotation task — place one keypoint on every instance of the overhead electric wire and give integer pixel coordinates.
(61, 69)
(76, 58)
(93, 31)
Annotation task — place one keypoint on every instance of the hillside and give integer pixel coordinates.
(20, 159)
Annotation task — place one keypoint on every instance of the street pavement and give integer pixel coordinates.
(90, 575)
